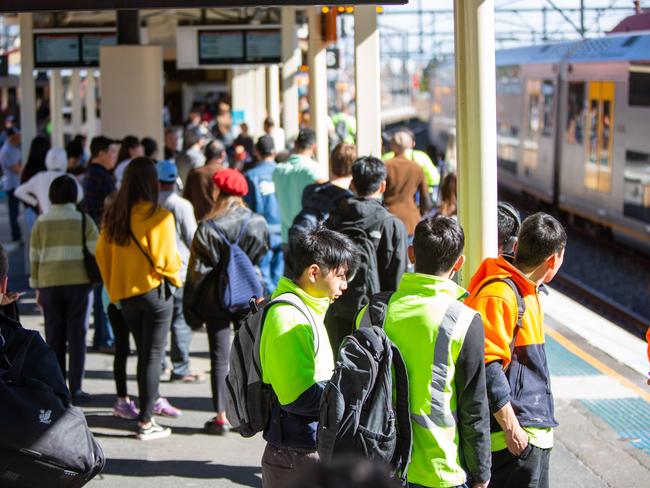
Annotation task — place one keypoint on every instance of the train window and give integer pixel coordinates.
(636, 200)
(548, 96)
(639, 86)
(575, 115)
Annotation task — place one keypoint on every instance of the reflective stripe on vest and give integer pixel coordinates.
(455, 323)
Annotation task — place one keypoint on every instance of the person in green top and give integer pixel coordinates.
(402, 145)
(442, 342)
(296, 363)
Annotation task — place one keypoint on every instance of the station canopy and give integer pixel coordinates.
(62, 5)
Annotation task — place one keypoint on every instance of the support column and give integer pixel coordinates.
(476, 130)
(91, 106)
(290, 63)
(260, 104)
(318, 88)
(132, 91)
(27, 85)
(75, 89)
(56, 107)
(366, 78)
(243, 96)
(273, 92)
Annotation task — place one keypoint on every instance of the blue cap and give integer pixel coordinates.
(167, 171)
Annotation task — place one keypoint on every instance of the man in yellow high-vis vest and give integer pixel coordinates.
(441, 341)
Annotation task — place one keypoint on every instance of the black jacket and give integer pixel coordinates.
(391, 243)
(208, 257)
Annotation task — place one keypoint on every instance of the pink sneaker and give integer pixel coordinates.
(125, 410)
(165, 409)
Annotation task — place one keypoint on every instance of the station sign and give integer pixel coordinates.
(70, 48)
(64, 5)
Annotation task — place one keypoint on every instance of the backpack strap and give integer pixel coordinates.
(146, 254)
(294, 300)
(376, 311)
(247, 219)
(402, 414)
(521, 306)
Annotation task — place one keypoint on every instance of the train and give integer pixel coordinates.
(573, 128)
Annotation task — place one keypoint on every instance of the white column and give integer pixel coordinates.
(91, 106)
(476, 130)
(273, 92)
(27, 85)
(290, 63)
(366, 69)
(56, 107)
(318, 88)
(256, 126)
(132, 91)
(75, 90)
(243, 94)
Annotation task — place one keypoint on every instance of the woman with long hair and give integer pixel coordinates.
(35, 164)
(230, 220)
(447, 205)
(139, 262)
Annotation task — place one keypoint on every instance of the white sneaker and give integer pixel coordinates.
(154, 431)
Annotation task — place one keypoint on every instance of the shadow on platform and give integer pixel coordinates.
(243, 475)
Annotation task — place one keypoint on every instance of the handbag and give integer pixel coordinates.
(168, 287)
(89, 260)
(44, 441)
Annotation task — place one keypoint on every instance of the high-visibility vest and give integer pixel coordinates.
(431, 367)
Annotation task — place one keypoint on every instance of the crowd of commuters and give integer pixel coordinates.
(376, 225)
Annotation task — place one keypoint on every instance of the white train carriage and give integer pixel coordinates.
(573, 124)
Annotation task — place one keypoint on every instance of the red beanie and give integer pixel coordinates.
(231, 181)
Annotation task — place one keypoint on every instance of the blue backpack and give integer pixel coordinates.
(239, 280)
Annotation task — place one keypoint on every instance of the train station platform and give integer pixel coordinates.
(598, 378)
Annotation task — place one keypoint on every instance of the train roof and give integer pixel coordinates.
(619, 47)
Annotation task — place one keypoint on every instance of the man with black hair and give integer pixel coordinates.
(291, 178)
(295, 362)
(261, 199)
(507, 296)
(192, 157)
(441, 341)
(365, 216)
(199, 188)
(509, 222)
(98, 184)
(150, 147)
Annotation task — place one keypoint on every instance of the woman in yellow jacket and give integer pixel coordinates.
(137, 256)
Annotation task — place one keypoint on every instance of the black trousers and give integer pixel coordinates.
(219, 341)
(121, 332)
(149, 317)
(14, 210)
(66, 310)
(528, 470)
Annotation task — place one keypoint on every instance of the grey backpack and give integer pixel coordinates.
(357, 414)
(249, 399)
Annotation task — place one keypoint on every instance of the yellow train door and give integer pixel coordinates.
(599, 136)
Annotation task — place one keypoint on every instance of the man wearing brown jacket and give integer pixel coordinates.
(199, 188)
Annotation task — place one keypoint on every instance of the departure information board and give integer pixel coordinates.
(263, 46)
(221, 46)
(69, 49)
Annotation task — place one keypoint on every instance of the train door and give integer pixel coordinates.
(538, 141)
(599, 136)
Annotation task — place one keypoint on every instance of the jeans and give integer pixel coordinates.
(219, 342)
(272, 264)
(279, 465)
(181, 337)
(14, 209)
(103, 331)
(30, 217)
(528, 470)
(65, 310)
(121, 349)
(149, 317)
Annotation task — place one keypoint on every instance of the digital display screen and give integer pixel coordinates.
(90, 44)
(263, 46)
(219, 47)
(55, 50)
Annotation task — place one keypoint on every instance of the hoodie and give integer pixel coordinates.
(522, 378)
(35, 192)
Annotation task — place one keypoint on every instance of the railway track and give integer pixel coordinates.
(601, 304)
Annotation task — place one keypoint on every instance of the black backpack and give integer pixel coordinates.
(44, 441)
(366, 280)
(249, 399)
(357, 413)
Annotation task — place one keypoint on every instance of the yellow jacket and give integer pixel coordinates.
(125, 269)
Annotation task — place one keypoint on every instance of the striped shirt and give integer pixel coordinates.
(56, 256)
